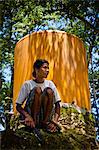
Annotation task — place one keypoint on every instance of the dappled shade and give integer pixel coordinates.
(68, 68)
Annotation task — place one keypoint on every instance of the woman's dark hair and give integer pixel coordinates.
(37, 64)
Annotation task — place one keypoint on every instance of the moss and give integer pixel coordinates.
(77, 133)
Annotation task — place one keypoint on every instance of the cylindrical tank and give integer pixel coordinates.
(68, 68)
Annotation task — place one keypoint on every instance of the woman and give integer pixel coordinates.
(42, 107)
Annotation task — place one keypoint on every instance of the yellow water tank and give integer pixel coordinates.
(68, 68)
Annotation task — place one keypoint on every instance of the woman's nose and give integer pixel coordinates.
(47, 70)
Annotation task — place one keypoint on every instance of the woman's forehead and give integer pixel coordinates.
(45, 64)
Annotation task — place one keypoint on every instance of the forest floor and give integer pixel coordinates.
(77, 133)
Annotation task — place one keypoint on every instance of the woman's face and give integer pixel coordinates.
(43, 71)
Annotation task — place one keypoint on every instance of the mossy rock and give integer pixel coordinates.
(77, 133)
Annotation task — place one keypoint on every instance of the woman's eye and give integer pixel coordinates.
(46, 68)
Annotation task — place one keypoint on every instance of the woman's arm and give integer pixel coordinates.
(28, 119)
(57, 111)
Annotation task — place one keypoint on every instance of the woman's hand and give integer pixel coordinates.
(29, 121)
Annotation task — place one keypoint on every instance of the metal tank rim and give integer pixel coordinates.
(48, 31)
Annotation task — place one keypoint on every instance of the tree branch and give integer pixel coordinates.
(86, 22)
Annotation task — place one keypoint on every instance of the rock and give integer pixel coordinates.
(77, 133)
